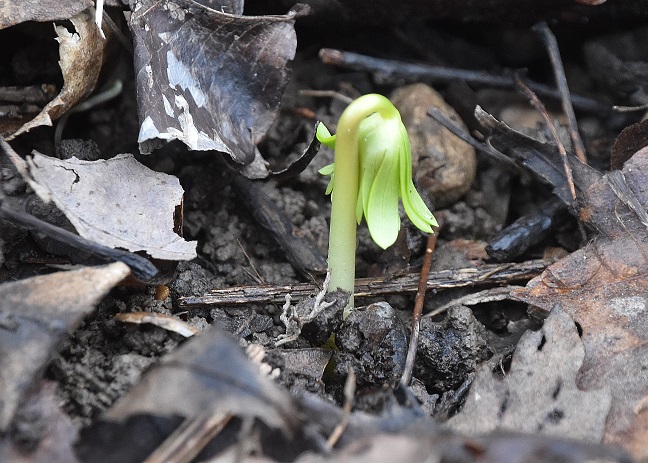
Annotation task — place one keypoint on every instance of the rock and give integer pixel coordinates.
(373, 341)
(444, 166)
(450, 350)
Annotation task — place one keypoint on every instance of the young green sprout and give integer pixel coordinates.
(372, 169)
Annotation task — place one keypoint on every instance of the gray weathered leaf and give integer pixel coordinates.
(18, 11)
(210, 79)
(117, 202)
(539, 394)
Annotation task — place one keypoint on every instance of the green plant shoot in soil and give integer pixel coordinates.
(372, 169)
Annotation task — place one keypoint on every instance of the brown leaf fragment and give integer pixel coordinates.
(615, 204)
(542, 159)
(35, 314)
(81, 55)
(140, 203)
(539, 394)
(210, 79)
(18, 11)
(630, 140)
(603, 287)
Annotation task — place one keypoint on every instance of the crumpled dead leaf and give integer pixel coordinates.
(118, 203)
(210, 79)
(18, 11)
(539, 394)
(81, 55)
(442, 448)
(224, 383)
(602, 286)
(35, 314)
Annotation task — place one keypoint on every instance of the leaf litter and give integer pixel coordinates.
(81, 56)
(602, 286)
(539, 393)
(247, 395)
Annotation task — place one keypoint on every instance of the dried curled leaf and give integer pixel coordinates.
(81, 55)
(209, 375)
(210, 79)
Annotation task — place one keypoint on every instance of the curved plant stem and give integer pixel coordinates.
(342, 238)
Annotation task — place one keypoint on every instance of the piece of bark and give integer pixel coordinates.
(367, 287)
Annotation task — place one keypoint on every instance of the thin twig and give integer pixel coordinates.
(456, 130)
(550, 42)
(412, 72)
(629, 109)
(535, 101)
(487, 295)
(484, 275)
(141, 268)
(188, 440)
(406, 378)
(327, 94)
(256, 276)
(349, 395)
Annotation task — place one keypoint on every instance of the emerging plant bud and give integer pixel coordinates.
(385, 174)
(372, 169)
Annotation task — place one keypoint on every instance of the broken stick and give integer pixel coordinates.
(485, 275)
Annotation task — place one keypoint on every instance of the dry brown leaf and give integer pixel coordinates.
(35, 314)
(604, 288)
(81, 55)
(539, 394)
(18, 11)
(117, 202)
